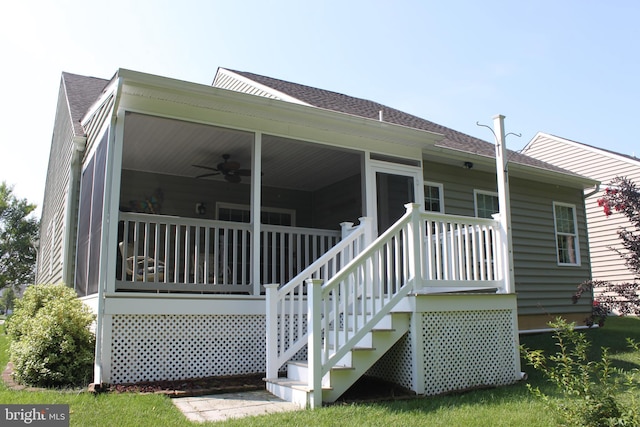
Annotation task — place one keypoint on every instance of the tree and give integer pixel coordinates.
(18, 236)
(621, 197)
(7, 300)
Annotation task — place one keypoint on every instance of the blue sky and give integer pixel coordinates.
(567, 67)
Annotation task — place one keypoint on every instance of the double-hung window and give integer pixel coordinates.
(486, 203)
(566, 234)
(433, 197)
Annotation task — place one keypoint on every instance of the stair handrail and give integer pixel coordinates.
(333, 296)
(281, 346)
(409, 225)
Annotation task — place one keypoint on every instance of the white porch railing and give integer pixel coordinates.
(421, 252)
(286, 251)
(164, 253)
(289, 301)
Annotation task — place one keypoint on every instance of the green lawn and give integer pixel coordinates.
(504, 406)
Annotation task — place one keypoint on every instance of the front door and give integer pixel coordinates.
(395, 186)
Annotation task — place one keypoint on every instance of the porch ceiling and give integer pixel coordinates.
(172, 147)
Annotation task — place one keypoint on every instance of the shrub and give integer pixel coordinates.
(591, 390)
(51, 343)
(621, 197)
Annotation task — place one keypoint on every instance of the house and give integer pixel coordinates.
(602, 165)
(198, 220)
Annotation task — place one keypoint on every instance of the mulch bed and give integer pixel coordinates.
(193, 386)
(366, 389)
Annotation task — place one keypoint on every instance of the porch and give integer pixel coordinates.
(431, 278)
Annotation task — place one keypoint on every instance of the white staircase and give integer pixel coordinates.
(295, 386)
(343, 308)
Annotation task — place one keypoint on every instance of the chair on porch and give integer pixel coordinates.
(135, 265)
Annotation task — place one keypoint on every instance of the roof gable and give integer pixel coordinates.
(81, 93)
(602, 151)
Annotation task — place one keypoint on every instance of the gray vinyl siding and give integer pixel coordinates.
(603, 166)
(49, 264)
(542, 285)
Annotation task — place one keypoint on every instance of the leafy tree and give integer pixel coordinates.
(7, 299)
(621, 197)
(18, 235)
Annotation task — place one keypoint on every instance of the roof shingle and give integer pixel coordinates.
(334, 101)
(82, 92)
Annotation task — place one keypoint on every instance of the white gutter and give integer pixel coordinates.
(594, 191)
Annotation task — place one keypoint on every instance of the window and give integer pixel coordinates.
(486, 203)
(566, 234)
(433, 197)
(242, 213)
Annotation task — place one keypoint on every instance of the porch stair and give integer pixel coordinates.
(375, 344)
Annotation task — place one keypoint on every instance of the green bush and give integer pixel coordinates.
(51, 341)
(591, 390)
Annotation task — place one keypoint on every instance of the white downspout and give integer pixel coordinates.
(71, 209)
(504, 202)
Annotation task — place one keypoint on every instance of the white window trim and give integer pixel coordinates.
(576, 236)
(224, 205)
(475, 198)
(440, 193)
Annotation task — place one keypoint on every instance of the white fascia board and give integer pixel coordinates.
(258, 106)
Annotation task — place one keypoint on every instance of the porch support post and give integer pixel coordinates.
(369, 230)
(415, 243)
(314, 346)
(256, 202)
(502, 174)
(272, 330)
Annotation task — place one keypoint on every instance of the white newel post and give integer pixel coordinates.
(314, 350)
(504, 202)
(415, 239)
(272, 329)
(346, 228)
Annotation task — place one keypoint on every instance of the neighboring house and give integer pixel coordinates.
(198, 220)
(601, 165)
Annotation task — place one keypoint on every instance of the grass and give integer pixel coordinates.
(503, 406)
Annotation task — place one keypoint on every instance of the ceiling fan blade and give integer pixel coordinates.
(205, 167)
(208, 174)
(243, 172)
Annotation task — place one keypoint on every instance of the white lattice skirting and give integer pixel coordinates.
(468, 349)
(458, 350)
(169, 347)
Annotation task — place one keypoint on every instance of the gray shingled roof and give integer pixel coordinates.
(82, 92)
(369, 109)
